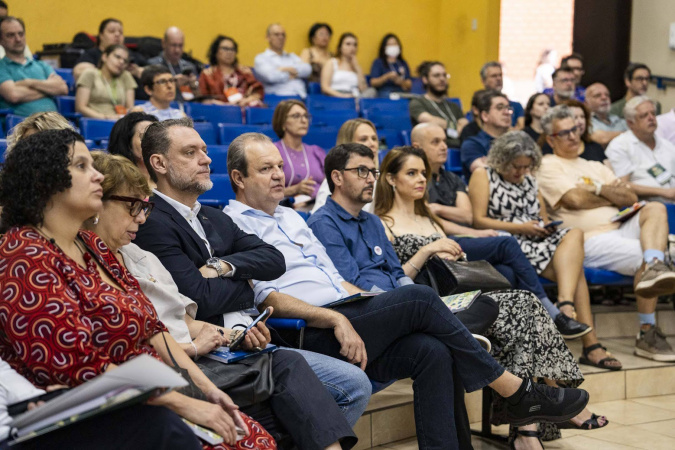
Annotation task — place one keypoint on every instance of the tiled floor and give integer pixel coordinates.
(644, 423)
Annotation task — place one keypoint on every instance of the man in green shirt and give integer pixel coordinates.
(26, 86)
(636, 77)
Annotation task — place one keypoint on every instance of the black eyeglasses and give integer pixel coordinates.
(164, 81)
(363, 171)
(137, 205)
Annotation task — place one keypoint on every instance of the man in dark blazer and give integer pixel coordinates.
(212, 262)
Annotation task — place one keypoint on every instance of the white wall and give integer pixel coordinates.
(649, 43)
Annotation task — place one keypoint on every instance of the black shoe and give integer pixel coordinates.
(570, 328)
(542, 403)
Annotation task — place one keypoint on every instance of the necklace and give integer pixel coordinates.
(290, 163)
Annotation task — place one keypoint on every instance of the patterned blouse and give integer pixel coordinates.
(61, 323)
(213, 83)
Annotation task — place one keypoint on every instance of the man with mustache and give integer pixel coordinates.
(564, 82)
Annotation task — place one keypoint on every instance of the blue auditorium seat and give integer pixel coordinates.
(670, 208)
(599, 277)
(273, 100)
(66, 106)
(96, 129)
(207, 131)
(457, 101)
(218, 155)
(393, 120)
(323, 137)
(383, 104)
(11, 121)
(3, 147)
(220, 194)
(259, 116)
(314, 88)
(406, 137)
(317, 102)
(381, 154)
(393, 138)
(229, 132)
(417, 86)
(332, 118)
(67, 75)
(454, 162)
(214, 114)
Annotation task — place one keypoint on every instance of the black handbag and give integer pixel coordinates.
(247, 382)
(455, 277)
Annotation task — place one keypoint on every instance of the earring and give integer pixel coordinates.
(95, 221)
(393, 186)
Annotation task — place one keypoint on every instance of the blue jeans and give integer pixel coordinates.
(410, 333)
(347, 383)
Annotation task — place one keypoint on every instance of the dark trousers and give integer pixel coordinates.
(136, 427)
(410, 333)
(303, 406)
(504, 253)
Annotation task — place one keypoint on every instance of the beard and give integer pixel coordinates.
(184, 184)
(438, 92)
(566, 94)
(366, 197)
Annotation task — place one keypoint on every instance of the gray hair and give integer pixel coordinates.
(486, 66)
(510, 146)
(630, 110)
(559, 112)
(156, 140)
(236, 154)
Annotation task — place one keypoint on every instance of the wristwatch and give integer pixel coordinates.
(598, 187)
(214, 263)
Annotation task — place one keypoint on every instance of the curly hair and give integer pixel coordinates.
(215, 46)
(34, 171)
(514, 144)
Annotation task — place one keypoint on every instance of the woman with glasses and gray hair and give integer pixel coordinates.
(505, 197)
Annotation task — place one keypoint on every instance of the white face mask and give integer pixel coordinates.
(392, 51)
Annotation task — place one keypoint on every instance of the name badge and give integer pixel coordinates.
(660, 174)
(452, 133)
(377, 250)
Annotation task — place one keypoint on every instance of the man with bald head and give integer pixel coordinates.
(280, 72)
(605, 125)
(171, 57)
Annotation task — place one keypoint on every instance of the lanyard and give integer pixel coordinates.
(450, 118)
(290, 163)
(113, 98)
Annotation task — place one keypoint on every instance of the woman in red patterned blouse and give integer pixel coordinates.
(65, 315)
(227, 82)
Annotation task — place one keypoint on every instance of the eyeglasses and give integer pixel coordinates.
(503, 107)
(227, 49)
(523, 167)
(137, 205)
(164, 81)
(363, 171)
(642, 79)
(566, 133)
(566, 80)
(298, 116)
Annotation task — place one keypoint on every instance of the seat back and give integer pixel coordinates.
(96, 129)
(383, 104)
(259, 116)
(229, 132)
(393, 120)
(207, 131)
(214, 114)
(273, 100)
(332, 118)
(324, 137)
(220, 194)
(218, 155)
(317, 101)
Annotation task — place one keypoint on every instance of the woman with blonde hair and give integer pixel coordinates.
(40, 121)
(361, 131)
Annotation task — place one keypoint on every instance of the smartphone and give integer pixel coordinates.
(234, 345)
(553, 224)
(21, 407)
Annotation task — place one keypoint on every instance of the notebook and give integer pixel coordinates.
(460, 302)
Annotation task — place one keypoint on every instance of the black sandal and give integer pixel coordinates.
(524, 433)
(602, 364)
(590, 424)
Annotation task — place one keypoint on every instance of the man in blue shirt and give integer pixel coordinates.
(407, 332)
(26, 86)
(495, 113)
(491, 74)
(356, 241)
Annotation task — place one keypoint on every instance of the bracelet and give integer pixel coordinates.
(413, 266)
(194, 347)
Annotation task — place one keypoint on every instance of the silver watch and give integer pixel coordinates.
(214, 263)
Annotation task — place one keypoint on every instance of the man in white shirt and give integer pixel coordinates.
(280, 72)
(642, 158)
